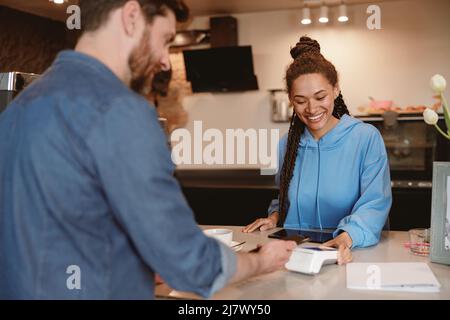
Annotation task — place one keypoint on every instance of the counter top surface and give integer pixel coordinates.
(330, 283)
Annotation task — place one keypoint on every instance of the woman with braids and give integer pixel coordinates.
(335, 172)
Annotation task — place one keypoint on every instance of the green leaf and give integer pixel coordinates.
(442, 132)
(446, 112)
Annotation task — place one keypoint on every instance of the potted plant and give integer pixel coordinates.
(438, 84)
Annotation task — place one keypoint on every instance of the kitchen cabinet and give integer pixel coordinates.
(411, 208)
(227, 197)
(228, 206)
(238, 197)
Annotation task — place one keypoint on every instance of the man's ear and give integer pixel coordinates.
(131, 12)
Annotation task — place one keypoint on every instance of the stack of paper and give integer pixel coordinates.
(407, 276)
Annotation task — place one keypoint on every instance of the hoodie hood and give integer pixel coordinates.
(333, 137)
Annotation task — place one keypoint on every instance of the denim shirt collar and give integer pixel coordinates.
(76, 57)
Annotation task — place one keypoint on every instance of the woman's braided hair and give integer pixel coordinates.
(307, 60)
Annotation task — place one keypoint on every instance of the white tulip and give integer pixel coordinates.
(438, 83)
(430, 116)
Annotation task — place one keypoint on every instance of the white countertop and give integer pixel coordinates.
(330, 283)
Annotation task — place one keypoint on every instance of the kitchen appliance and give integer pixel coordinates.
(224, 31)
(221, 69)
(11, 83)
(281, 106)
(412, 146)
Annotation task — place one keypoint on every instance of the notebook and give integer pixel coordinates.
(397, 276)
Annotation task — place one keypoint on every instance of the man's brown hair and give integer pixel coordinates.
(95, 12)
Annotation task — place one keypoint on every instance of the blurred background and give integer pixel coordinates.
(228, 67)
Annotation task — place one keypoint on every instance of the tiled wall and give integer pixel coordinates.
(171, 107)
(29, 43)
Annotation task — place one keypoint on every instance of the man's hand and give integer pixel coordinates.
(158, 279)
(270, 257)
(263, 224)
(343, 243)
(274, 255)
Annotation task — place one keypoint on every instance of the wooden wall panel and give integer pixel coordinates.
(30, 43)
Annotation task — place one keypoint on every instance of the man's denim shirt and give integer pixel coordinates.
(89, 206)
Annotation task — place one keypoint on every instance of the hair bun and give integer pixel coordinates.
(305, 45)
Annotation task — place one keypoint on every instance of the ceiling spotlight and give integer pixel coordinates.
(306, 16)
(343, 17)
(58, 1)
(323, 14)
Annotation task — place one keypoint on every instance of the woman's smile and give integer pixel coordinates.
(317, 117)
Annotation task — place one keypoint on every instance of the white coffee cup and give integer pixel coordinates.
(224, 235)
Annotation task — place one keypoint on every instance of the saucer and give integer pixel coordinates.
(233, 243)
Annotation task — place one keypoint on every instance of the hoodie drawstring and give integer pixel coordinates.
(318, 187)
(301, 162)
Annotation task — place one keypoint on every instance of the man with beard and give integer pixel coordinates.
(89, 207)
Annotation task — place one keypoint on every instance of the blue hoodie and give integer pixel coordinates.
(340, 182)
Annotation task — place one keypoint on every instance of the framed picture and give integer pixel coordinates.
(440, 214)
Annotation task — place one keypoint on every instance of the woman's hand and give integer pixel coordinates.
(343, 243)
(263, 223)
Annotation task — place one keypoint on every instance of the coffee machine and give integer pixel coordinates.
(11, 83)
